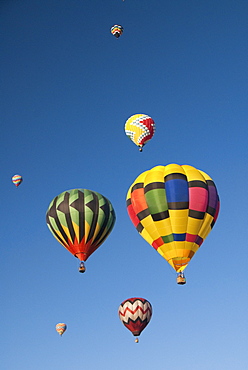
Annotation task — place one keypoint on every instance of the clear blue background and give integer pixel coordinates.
(67, 87)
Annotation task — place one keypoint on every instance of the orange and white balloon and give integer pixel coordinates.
(61, 328)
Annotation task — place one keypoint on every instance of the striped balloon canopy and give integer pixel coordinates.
(140, 129)
(135, 314)
(61, 328)
(116, 30)
(174, 208)
(80, 220)
(17, 180)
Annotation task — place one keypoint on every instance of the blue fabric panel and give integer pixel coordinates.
(177, 191)
(179, 237)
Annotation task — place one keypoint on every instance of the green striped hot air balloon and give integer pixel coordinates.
(80, 220)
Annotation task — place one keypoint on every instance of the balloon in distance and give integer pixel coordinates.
(140, 128)
(61, 328)
(17, 180)
(117, 30)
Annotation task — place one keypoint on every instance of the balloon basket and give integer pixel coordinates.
(81, 268)
(181, 280)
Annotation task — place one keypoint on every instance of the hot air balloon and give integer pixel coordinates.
(135, 314)
(140, 129)
(61, 328)
(117, 30)
(17, 180)
(174, 208)
(80, 220)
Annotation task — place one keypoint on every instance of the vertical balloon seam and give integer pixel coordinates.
(53, 208)
(76, 213)
(199, 184)
(212, 211)
(93, 205)
(174, 176)
(59, 218)
(106, 225)
(190, 200)
(142, 214)
(103, 220)
(161, 252)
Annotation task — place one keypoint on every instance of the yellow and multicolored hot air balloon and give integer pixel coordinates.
(135, 314)
(174, 208)
(61, 328)
(80, 220)
(140, 129)
(117, 30)
(17, 180)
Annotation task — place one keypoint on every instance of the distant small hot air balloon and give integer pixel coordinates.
(17, 180)
(117, 30)
(174, 208)
(61, 328)
(135, 314)
(80, 220)
(140, 129)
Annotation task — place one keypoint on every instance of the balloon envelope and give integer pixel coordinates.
(61, 328)
(174, 208)
(17, 180)
(116, 30)
(135, 314)
(80, 220)
(140, 129)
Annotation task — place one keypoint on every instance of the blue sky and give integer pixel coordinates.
(67, 87)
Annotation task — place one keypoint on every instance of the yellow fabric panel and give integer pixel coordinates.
(167, 250)
(156, 174)
(178, 220)
(55, 236)
(194, 225)
(96, 231)
(206, 228)
(205, 175)
(192, 173)
(174, 252)
(152, 231)
(167, 247)
(148, 223)
(147, 236)
(182, 252)
(171, 168)
(66, 230)
(170, 261)
(163, 227)
(76, 229)
(194, 247)
(129, 193)
(86, 230)
(136, 130)
(181, 268)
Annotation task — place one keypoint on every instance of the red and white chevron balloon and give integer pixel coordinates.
(135, 313)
